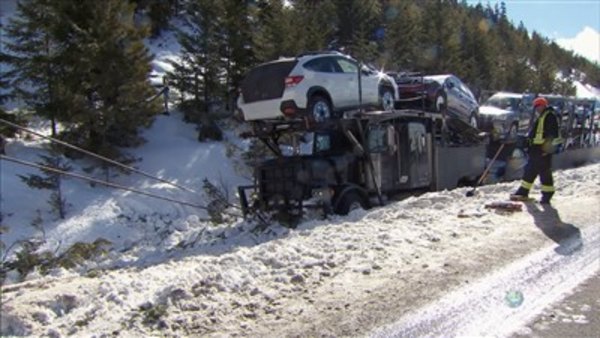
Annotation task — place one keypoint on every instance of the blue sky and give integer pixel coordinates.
(552, 18)
(572, 24)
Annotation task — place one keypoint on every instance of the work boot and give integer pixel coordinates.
(520, 195)
(546, 197)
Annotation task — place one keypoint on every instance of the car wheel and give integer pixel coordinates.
(386, 99)
(319, 108)
(350, 201)
(473, 120)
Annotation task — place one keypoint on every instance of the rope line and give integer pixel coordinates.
(91, 179)
(118, 164)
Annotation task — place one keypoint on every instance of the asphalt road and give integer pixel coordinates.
(577, 315)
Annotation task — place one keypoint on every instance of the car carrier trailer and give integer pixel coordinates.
(361, 161)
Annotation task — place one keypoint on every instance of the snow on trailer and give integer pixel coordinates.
(362, 161)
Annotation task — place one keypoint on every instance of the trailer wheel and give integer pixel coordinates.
(350, 201)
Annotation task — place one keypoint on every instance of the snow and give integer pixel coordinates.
(170, 273)
(583, 90)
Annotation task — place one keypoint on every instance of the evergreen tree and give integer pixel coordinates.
(272, 36)
(477, 54)
(4, 80)
(198, 73)
(107, 79)
(314, 24)
(357, 21)
(33, 54)
(403, 35)
(441, 38)
(83, 64)
(236, 51)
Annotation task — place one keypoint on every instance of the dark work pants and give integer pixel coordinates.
(538, 165)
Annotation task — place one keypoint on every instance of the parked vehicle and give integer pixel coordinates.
(318, 85)
(437, 93)
(505, 115)
(359, 162)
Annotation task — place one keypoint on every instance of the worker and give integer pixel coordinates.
(543, 141)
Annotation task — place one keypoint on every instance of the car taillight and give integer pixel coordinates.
(291, 81)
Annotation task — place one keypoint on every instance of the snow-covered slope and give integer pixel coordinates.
(341, 276)
(128, 220)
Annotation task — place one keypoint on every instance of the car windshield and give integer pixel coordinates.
(501, 102)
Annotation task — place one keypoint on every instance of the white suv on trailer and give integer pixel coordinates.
(319, 86)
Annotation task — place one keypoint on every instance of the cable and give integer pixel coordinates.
(87, 178)
(98, 156)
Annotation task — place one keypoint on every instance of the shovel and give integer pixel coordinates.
(486, 171)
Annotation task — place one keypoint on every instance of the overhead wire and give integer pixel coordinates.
(94, 180)
(118, 164)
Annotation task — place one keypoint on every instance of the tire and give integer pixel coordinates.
(350, 201)
(386, 99)
(319, 108)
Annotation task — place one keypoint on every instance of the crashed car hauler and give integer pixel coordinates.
(360, 162)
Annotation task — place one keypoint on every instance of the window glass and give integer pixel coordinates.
(347, 66)
(502, 102)
(324, 65)
(322, 142)
(466, 90)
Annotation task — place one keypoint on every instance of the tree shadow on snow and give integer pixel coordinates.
(566, 235)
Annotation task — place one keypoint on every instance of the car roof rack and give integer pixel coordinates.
(316, 52)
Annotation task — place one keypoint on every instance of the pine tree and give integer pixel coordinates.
(357, 21)
(272, 35)
(198, 74)
(236, 51)
(33, 54)
(313, 26)
(107, 78)
(90, 72)
(441, 38)
(402, 35)
(4, 79)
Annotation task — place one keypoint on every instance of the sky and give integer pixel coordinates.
(573, 24)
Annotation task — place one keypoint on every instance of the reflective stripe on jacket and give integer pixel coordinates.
(543, 131)
(539, 131)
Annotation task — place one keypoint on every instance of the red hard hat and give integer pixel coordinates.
(540, 101)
